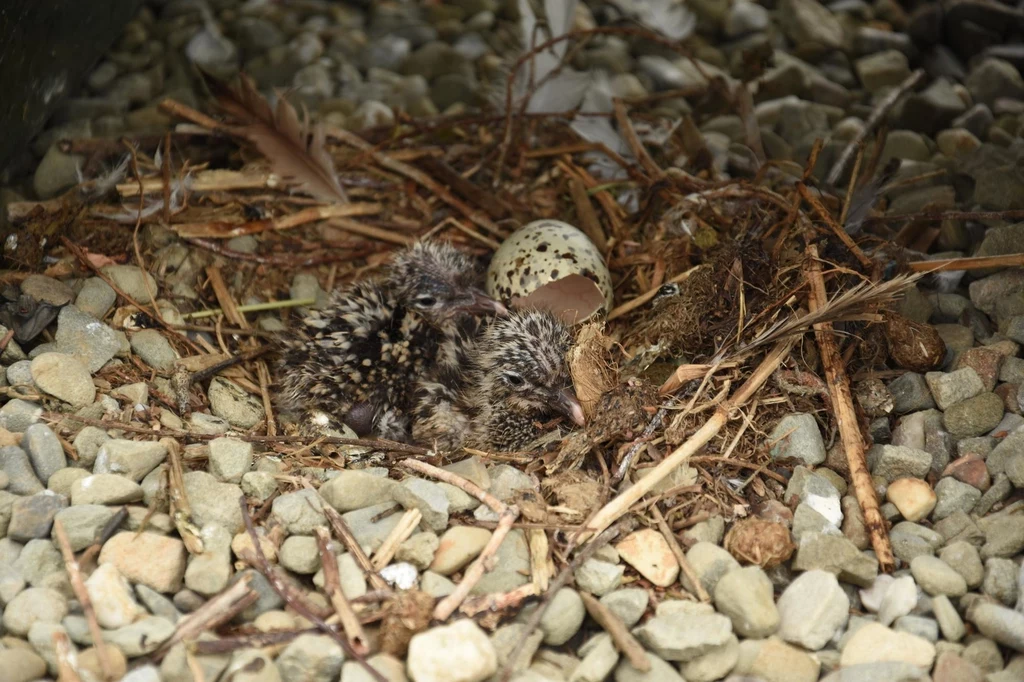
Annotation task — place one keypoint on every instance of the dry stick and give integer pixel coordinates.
(507, 515)
(646, 296)
(214, 613)
(537, 539)
(684, 563)
(621, 636)
(852, 186)
(846, 417)
(621, 504)
(841, 233)
(218, 180)
(1010, 260)
(417, 176)
(345, 535)
(298, 602)
(181, 510)
(589, 222)
(635, 145)
(75, 576)
(222, 230)
(332, 586)
(230, 308)
(560, 581)
(64, 653)
(638, 444)
(370, 231)
(876, 116)
(399, 534)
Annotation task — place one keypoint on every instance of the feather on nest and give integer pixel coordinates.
(296, 150)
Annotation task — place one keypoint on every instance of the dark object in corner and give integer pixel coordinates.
(45, 50)
(25, 315)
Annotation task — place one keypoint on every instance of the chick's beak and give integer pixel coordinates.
(482, 304)
(569, 406)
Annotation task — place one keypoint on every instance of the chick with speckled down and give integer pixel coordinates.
(496, 390)
(357, 361)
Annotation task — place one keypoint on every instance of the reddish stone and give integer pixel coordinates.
(1008, 392)
(952, 668)
(970, 469)
(985, 361)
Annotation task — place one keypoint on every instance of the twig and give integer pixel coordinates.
(399, 534)
(181, 510)
(589, 222)
(1010, 260)
(214, 613)
(417, 176)
(65, 655)
(332, 586)
(621, 504)
(224, 230)
(876, 116)
(638, 444)
(252, 308)
(507, 514)
(621, 636)
(540, 575)
(846, 417)
(341, 529)
(560, 581)
(836, 228)
(680, 556)
(78, 586)
(652, 169)
(370, 231)
(297, 602)
(646, 296)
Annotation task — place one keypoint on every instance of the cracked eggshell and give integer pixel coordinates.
(542, 252)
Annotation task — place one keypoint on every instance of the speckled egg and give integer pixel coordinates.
(541, 252)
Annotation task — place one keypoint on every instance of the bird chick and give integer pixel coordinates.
(514, 375)
(356, 362)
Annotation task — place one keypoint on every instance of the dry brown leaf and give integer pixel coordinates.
(296, 153)
(573, 298)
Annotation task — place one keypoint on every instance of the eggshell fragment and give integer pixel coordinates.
(547, 251)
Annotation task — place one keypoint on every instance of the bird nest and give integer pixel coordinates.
(682, 392)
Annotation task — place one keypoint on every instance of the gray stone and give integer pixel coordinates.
(231, 402)
(64, 377)
(1001, 580)
(807, 22)
(230, 458)
(1003, 452)
(22, 480)
(994, 78)
(81, 335)
(599, 577)
(746, 596)
(897, 461)
(628, 604)
(709, 562)
(963, 558)
(936, 577)
(154, 349)
(925, 628)
(34, 605)
(300, 512)
(797, 436)
(83, 523)
(17, 415)
(95, 298)
(213, 501)
(882, 69)
(511, 566)
(1004, 625)
(354, 489)
(32, 517)
(105, 489)
(954, 496)
(432, 651)
(910, 393)
(429, 498)
(370, 525)
(949, 388)
(837, 555)
(259, 485)
(87, 444)
(974, 416)
(563, 619)
(130, 458)
(142, 637)
(1004, 536)
(677, 637)
(311, 658)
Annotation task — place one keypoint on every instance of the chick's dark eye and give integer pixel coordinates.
(425, 301)
(514, 380)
